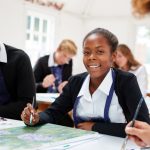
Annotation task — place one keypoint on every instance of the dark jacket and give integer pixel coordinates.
(127, 90)
(41, 69)
(19, 81)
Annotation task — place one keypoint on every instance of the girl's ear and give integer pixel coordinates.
(113, 56)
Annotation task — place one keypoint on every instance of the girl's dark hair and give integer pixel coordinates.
(111, 38)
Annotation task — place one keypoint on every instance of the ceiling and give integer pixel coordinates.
(96, 8)
(91, 8)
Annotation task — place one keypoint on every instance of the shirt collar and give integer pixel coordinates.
(51, 61)
(104, 86)
(85, 87)
(3, 54)
(106, 83)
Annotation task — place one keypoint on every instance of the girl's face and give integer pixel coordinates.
(97, 56)
(121, 60)
(62, 57)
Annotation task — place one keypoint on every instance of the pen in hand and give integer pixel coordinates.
(133, 121)
(31, 116)
(137, 111)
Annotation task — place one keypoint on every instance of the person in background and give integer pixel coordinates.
(52, 71)
(103, 99)
(125, 60)
(140, 133)
(17, 86)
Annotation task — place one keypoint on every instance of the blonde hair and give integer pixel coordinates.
(68, 46)
(141, 7)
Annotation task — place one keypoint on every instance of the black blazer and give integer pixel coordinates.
(41, 69)
(127, 90)
(19, 80)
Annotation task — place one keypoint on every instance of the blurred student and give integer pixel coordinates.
(52, 71)
(140, 133)
(17, 86)
(125, 60)
(103, 99)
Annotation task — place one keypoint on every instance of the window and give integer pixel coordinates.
(39, 35)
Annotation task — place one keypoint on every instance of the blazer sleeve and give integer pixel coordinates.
(40, 73)
(58, 112)
(133, 96)
(129, 97)
(24, 89)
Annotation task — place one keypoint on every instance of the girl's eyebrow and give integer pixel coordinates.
(86, 47)
(98, 46)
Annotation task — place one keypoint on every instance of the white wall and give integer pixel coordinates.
(12, 23)
(123, 27)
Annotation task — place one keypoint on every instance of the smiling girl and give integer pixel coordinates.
(103, 99)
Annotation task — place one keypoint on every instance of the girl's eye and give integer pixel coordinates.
(86, 52)
(100, 52)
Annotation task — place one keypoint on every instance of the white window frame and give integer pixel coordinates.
(38, 49)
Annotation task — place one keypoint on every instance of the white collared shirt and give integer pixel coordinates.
(3, 54)
(142, 79)
(93, 106)
(51, 61)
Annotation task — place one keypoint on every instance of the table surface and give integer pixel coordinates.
(104, 142)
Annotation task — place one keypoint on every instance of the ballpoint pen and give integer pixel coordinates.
(31, 116)
(143, 148)
(133, 121)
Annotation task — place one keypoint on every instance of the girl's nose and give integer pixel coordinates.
(92, 56)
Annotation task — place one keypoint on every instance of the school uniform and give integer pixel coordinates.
(17, 86)
(110, 120)
(45, 66)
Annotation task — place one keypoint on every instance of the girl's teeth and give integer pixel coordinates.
(94, 66)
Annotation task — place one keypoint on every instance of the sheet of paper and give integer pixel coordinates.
(46, 97)
(68, 144)
(132, 146)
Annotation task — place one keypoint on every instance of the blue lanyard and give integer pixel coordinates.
(75, 117)
(109, 99)
(106, 118)
(57, 72)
